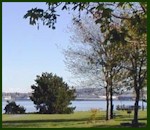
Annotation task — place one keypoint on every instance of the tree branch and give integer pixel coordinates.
(120, 17)
(143, 8)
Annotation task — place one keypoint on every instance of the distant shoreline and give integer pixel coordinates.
(77, 99)
(97, 99)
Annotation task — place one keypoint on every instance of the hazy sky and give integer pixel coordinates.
(26, 51)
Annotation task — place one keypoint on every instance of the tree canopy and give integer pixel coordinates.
(105, 13)
(52, 95)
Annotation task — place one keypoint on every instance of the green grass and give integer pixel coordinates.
(75, 120)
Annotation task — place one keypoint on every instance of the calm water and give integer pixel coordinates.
(80, 105)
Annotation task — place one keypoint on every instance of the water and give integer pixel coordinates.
(80, 105)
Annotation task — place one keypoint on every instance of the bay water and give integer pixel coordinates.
(80, 105)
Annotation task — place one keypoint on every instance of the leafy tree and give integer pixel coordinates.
(135, 54)
(13, 108)
(97, 63)
(52, 95)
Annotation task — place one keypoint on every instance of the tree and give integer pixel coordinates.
(13, 108)
(93, 59)
(136, 60)
(133, 55)
(129, 56)
(52, 95)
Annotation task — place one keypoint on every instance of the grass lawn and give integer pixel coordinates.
(75, 120)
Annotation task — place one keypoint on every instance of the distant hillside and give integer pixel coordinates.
(80, 93)
(89, 92)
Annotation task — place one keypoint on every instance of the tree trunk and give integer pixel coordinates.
(135, 120)
(111, 104)
(107, 104)
(142, 94)
(142, 105)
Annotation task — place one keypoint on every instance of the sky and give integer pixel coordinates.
(27, 51)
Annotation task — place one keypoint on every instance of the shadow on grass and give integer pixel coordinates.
(114, 126)
(37, 123)
(47, 120)
(127, 118)
(51, 120)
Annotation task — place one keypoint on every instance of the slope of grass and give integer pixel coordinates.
(75, 120)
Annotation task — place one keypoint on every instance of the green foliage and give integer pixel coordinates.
(52, 95)
(105, 13)
(13, 108)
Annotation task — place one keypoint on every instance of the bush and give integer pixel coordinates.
(52, 95)
(93, 116)
(13, 108)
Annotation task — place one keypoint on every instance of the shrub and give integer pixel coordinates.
(13, 108)
(93, 114)
(52, 95)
